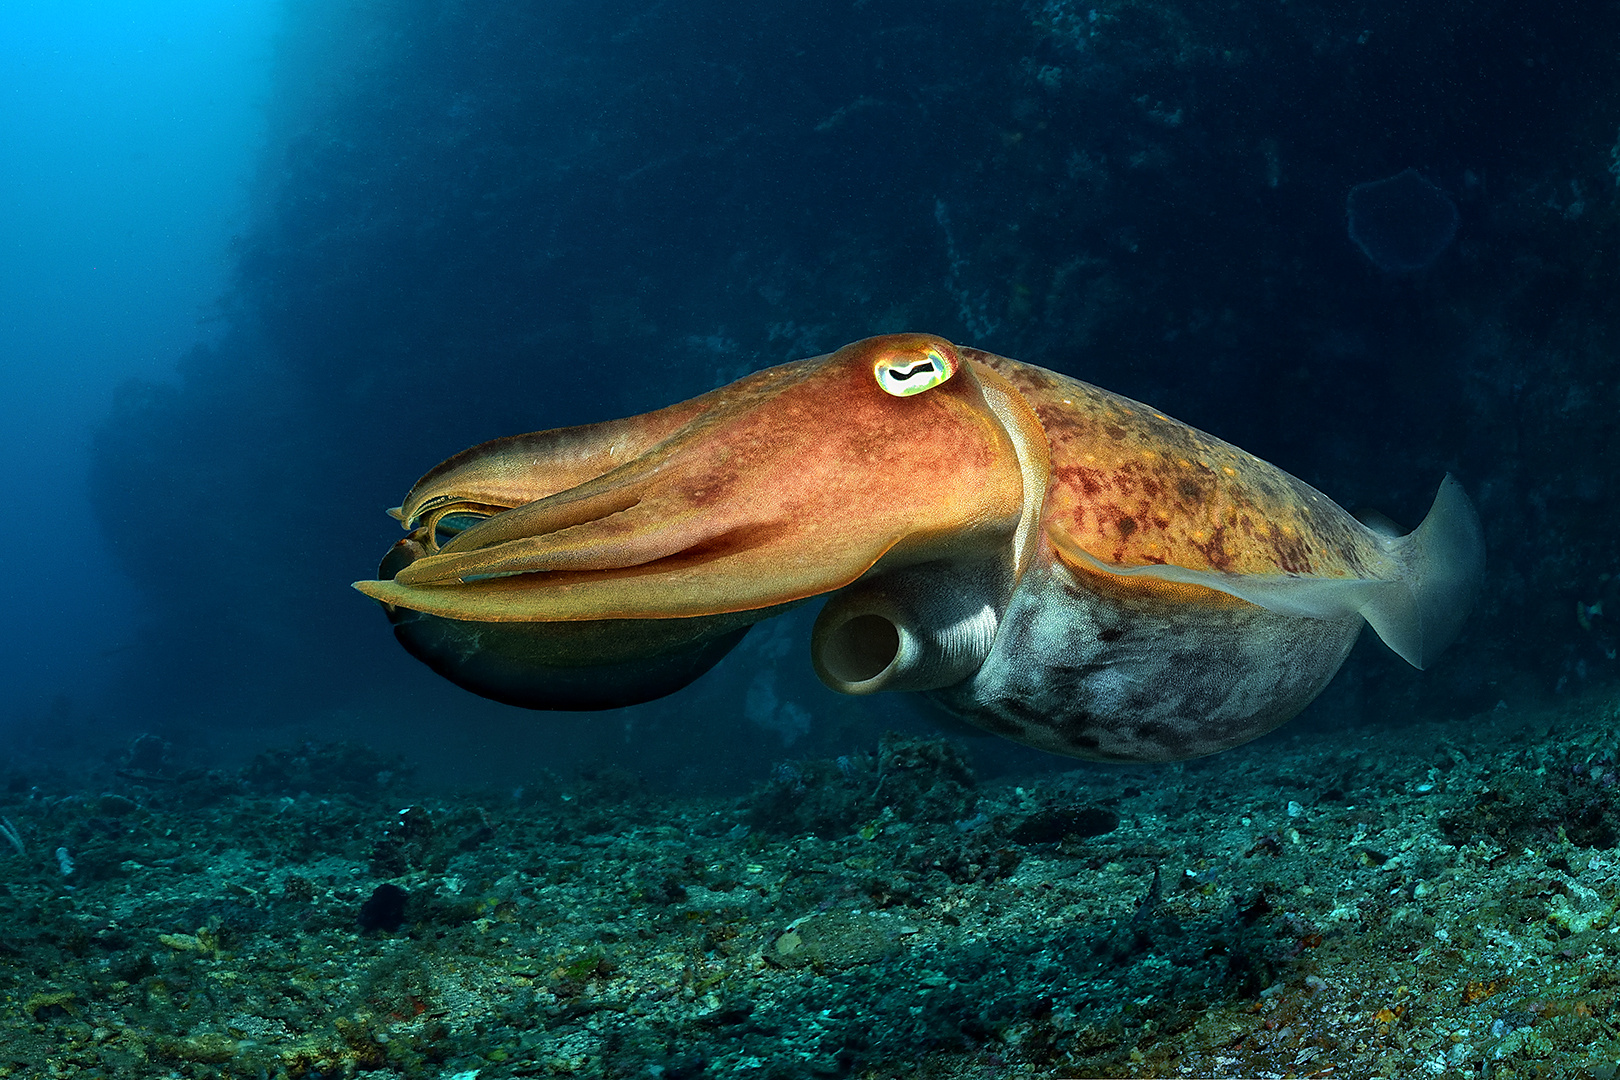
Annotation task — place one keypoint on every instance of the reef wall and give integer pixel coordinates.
(484, 218)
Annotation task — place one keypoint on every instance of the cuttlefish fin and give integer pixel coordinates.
(1442, 563)
(1417, 606)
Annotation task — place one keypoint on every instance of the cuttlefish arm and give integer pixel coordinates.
(788, 484)
(504, 473)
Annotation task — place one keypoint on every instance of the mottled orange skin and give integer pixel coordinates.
(1133, 487)
(786, 484)
(1055, 563)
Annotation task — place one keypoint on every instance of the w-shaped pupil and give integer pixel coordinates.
(917, 369)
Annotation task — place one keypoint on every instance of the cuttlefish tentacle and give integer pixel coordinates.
(1053, 562)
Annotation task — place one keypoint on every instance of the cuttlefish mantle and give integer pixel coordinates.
(1052, 562)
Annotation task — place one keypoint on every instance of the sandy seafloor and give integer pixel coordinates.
(1434, 900)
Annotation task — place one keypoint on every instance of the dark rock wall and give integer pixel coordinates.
(482, 218)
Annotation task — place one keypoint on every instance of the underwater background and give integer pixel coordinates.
(1369, 243)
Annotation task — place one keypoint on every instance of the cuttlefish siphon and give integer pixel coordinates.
(1049, 561)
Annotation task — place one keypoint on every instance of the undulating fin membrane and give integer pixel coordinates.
(1417, 605)
(1442, 563)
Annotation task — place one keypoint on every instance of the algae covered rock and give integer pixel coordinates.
(840, 939)
(207, 1048)
(914, 780)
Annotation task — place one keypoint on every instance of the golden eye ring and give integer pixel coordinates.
(910, 374)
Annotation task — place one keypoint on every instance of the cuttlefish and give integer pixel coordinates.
(1052, 562)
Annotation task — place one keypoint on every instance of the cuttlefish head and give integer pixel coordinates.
(602, 565)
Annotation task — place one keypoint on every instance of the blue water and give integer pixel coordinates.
(132, 134)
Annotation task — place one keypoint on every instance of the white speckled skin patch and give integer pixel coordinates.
(1105, 675)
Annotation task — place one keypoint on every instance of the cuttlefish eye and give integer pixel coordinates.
(911, 373)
